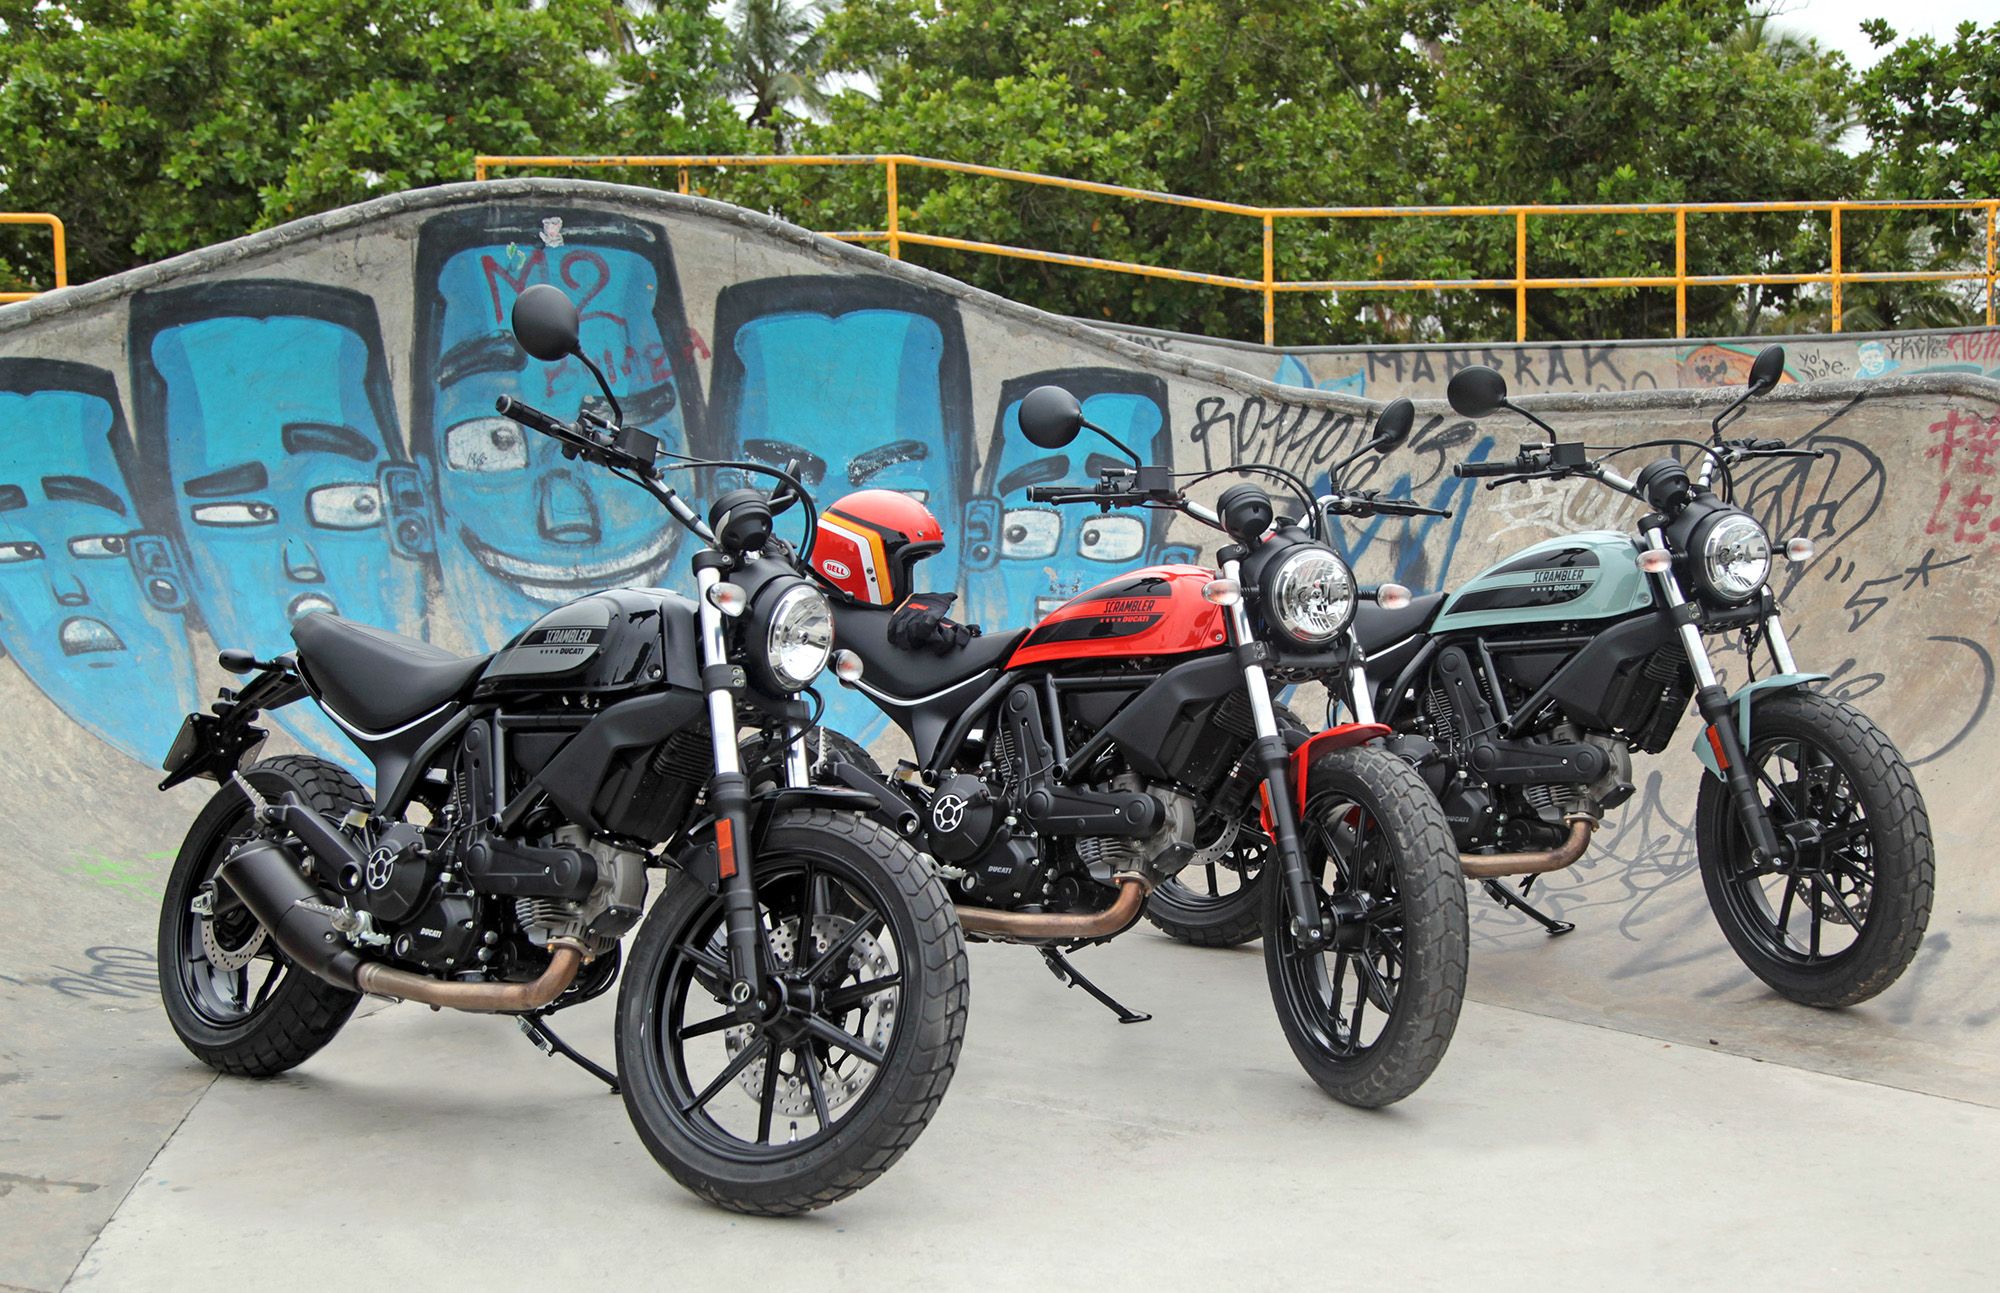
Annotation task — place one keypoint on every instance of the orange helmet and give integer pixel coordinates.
(870, 541)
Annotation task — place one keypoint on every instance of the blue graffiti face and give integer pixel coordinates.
(71, 609)
(527, 529)
(1047, 554)
(275, 457)
(856, 399)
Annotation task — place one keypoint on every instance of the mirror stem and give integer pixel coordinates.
(1115, 443)
(1532, 418)
(617, 414)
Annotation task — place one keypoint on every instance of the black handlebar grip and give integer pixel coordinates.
(528, 416)
(1048, 493)
(1471, 470)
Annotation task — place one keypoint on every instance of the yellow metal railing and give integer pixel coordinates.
(61, 248)
(897, 236)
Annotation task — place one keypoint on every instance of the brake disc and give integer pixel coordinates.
(842, 1075)
(225, 958)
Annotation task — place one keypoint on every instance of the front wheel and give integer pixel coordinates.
(840, 1067)
(1839, 918)
(1370, 1015)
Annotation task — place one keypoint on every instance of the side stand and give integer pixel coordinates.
(1069, 975)
(535, 1027)
(1519, 902)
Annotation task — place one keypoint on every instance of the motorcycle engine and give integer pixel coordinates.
(612, 907)
(1554, 804)
(1158, 855)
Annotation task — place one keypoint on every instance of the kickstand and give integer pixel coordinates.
(1519, 902)
(535, 1028)
(1059, 965)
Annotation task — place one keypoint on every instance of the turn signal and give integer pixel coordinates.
(1392, 597)
(1799, 551)
(1655, 561)
(728, 598)
(847, 666)
(1222, 592)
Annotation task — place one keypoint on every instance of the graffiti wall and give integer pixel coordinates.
(195, 454)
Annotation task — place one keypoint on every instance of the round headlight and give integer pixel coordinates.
(1309, 596)
(800, 638)
(1735, 558)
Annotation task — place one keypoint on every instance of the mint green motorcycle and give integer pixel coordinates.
(1522, 695)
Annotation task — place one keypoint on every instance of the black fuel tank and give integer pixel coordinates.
(619, 640)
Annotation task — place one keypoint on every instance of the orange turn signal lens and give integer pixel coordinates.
(1800, 550)
(847, 666)
(728, 598)
(1392, 597)
(1656, 561)
(1222, 592)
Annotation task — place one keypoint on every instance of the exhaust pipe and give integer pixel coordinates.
(266, 877)
(1487, 866)
(1034, 924)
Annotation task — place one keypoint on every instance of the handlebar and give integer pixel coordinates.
(532, 418)
(1472, 470)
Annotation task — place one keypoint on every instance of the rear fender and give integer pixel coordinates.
(1333, 738)
(1704, 744)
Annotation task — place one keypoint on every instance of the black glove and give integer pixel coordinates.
(920, 624)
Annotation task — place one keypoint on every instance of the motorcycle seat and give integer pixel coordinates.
(913, 676)
(374, 679)
(1375, 628)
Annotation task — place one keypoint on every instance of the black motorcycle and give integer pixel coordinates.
(795, 1001)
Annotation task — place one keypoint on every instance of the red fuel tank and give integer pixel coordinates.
(1155, 611)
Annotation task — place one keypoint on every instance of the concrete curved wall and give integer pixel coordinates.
(193, 452)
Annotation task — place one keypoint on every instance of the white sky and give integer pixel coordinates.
(1836, 24)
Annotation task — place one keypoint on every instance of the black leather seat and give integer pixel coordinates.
(375, 679)
(914, 675)
(1375, 628)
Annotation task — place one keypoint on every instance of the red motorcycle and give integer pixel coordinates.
(1063, 772)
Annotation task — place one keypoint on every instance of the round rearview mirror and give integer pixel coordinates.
(1476, 391)
(1050, 417)
(1766, 369)
(1392, 428)
(545, 323)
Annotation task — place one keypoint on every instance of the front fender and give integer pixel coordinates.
(1704, 747)
(699, 857)
(1333, 738)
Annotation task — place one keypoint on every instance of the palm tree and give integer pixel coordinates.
(777, 58)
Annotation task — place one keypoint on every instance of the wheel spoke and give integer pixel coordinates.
(768, 1100)
(744, 1059)
(840, 947)
(712, 974)
(1360, 1006)
(846, 1041)
(1383, 997)
(820, 1111)
(1814, 913)
(706, 1027)
(1214, 885)
(1832, 895)
(845, 999)
(1785, 907)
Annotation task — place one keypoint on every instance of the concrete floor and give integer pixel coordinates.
(1188, 1152)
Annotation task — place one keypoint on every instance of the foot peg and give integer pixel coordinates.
(1067, 974)
(1519, 902)
(536, 1029)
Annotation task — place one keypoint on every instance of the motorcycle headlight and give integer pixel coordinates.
(1732, 557)
(798, 636)
(1309, 596)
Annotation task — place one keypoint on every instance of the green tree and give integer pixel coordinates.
(777, 53)
(156, 126)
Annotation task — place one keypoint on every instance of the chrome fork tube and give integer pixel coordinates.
(1361, 702)
(1670, 588)
(1781, 647)
(798, 760)
(1308, 922)
(729, 798)
(715, 651)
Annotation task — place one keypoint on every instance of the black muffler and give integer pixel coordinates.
(295, 913)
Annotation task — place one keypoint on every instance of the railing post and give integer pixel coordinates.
(895, 220)
(1992, 225)
(479, 169)
(1520, 276)
(1270, 292)
(684, 181)
(1680, 271)
(1834, 277)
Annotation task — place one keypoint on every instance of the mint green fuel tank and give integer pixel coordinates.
(1594, 575)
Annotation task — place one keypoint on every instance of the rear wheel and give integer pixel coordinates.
(1841, 917)
(234, 999)
(821, 1089)
(1370, 1016)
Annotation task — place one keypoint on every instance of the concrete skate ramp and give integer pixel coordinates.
(296, 419)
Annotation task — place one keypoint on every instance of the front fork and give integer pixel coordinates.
(1272, 755)
(1713, 701)
(729, 796)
